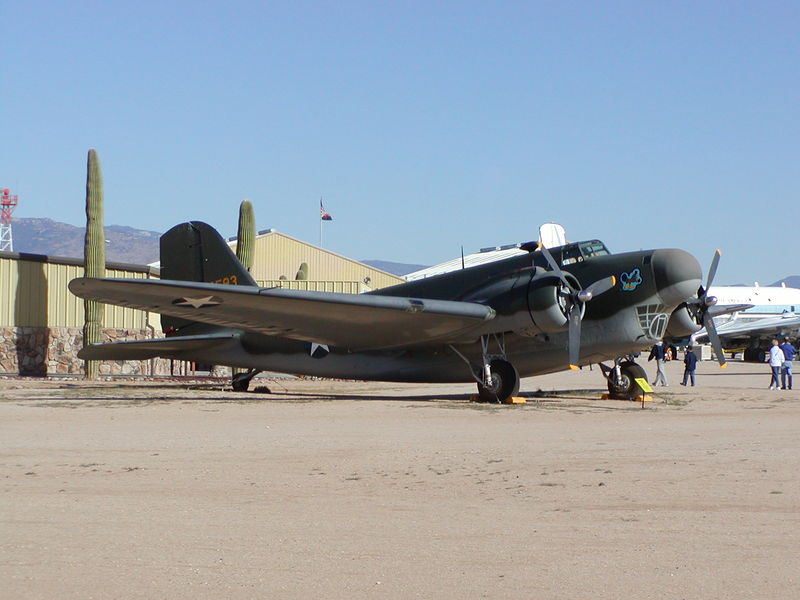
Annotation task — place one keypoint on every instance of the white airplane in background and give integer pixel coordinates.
(749, 317)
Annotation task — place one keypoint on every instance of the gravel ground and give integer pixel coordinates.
(335, 489)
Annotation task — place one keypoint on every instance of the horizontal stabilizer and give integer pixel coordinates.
(146, 349)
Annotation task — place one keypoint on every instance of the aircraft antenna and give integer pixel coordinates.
(462, 257)
(8, 203)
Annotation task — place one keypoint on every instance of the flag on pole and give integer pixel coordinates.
(323, 215)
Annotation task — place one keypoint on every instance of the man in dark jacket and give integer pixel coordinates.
(786, 369)
(690, 362)
(657, 352)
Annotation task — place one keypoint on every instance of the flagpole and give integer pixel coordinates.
(320, 222)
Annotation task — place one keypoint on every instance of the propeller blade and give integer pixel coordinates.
(554, 265)
(711, 330)
(574, 340)
(601, 286)
(712, 270)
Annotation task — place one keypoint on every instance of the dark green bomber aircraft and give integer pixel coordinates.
(542, 312)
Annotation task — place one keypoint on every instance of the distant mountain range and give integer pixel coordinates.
(791, 281)
(395, 268)
(138, 246)
(52, 238)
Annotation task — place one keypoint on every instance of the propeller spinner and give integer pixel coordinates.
(700, 309)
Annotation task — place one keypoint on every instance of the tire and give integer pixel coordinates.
(505, 382)
(627, 388)
(240, 382)
(755, 355)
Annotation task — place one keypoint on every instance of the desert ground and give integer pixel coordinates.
(335, 489)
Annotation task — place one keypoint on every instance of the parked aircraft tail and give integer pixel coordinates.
(195, 251)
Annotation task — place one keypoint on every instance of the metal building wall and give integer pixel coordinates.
(341, 287)
(277, 254)
(33, 293)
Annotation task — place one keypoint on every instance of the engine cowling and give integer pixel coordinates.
(548, 302)
(681, 323)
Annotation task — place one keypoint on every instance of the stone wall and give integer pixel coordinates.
(42, 351)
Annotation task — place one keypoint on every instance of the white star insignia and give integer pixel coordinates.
(197, 302)
(319, 350)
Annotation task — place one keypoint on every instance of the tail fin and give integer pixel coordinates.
(195, 251)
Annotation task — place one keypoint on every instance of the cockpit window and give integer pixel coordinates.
(572, 253)
(593, 248)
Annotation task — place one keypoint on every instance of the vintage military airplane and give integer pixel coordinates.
(540, 312)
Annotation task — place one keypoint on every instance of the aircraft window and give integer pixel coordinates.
(574, 253)
(593, 248)
(571, 254)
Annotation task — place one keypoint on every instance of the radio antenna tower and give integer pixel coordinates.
(7, 205)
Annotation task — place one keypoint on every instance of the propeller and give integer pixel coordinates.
(701, 306)
(576, 299)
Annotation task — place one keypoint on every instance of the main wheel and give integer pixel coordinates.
(627, 387)
(505, 382)
(241, 381)
(754, 355)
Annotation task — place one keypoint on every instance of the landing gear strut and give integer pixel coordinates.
(241, 381)
(503, 384)
(497, 378)
(622, 378)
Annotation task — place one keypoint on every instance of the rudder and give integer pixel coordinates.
(195, 251)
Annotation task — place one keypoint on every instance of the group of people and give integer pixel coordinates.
(781, 356)
(661, 355)
(780, 363)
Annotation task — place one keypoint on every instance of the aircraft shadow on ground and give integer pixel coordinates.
(536, 397)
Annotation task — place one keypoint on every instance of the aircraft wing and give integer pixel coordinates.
(726, 309)
(766, 326)
(146, 349)
(354, 321)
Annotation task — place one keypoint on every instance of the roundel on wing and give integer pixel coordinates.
(318, 350)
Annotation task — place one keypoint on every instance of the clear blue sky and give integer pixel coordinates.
(424, 125)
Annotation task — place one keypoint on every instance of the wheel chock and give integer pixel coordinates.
(515, 400)
(509, 400)
(644, 398)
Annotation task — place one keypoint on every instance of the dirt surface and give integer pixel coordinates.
(329, 489)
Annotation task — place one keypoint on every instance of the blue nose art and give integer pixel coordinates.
(677, 275)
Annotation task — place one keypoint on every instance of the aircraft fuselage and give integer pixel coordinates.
(529, 327)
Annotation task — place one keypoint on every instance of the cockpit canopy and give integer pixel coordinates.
(580, 251)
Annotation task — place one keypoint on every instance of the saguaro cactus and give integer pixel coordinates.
(94, 252)
(245, 244)
(302, 272)
(245, 238)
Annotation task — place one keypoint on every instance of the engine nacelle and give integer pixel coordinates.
(681, 323)
(548, 304)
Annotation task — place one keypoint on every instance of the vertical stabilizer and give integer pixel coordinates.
(195, 251)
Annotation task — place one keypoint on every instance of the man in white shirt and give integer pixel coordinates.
(776, 359)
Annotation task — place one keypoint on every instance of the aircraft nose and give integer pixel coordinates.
(677, 275)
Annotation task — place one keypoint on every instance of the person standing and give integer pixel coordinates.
(786, 368)
(690, 364)
(776, 359)
(657, 352)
